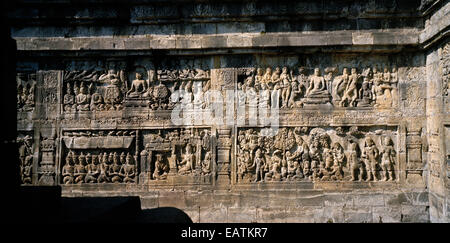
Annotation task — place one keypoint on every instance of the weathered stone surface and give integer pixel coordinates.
(130, 101)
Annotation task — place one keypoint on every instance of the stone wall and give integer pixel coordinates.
(131, 99)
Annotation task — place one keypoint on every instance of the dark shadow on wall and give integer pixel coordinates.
(44, 204)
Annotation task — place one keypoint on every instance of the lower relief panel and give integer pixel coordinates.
(150, 157)
(317, 154)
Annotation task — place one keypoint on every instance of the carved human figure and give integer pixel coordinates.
(259, 165)
(93, 170)
(206, 163)
(199, 99)
(242, 167)
(314, 155)
(187, 163)
(274, 166)
(276, 76)
(365, 94)
(80, 169)
(267, 78)
(394, 83)
(114, 169)
(303, 81)
(138, 87)
(68, 170)
(26, 159)
(340, 84)
(286, 87)
(264, 94)
(104, 169)
(97, 103)
(259, 77)
(370, 157)
(128, 170)
(161, 168)
(317, 85)
(350, 93)
(338, 154)
(355, 164)
(387, 159)
(293, 167)
(83, 98)
(69, 99)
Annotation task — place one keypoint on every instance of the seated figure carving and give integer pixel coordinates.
(187, 163)
(83, 99)
(161, 168)
(128, 170)
(138, 87)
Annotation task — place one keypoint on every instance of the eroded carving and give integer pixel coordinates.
(303, 153)
(370, 88)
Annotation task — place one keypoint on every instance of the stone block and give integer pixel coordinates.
(271, 215)
(241, 215)
(416, 214)
(213, 215)
(387, 214)
(369, 199)
(172, 199)
(361, 214)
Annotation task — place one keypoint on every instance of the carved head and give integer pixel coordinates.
(387, 141)
(353, 70)
(122, 157)
(277, 70)
(301, 70)
(83, 89)
(316, 71)
(69, 90)
(69, 160)
(386, 70)
(128, 159)
(268, 70)
(285, 70)
(375, 69)
(81, 159)
(88, 158)
(188, 148)
(345, 71)
(394, 69)
(259, 71)
(369, 142)
(116, 158)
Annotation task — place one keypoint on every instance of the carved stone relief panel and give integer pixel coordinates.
(313, 87)
(47, 162)
(101, 156)
(183, 155)
(94, 90)
(26, 85)
(414, 150)
(317, 154)
(48, 88)
(26, 150)
(445, 64)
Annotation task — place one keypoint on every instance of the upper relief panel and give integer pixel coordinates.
(304, 87)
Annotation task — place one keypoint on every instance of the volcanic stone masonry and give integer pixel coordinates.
(137, 98)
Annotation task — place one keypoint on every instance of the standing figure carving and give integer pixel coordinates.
(387, 159)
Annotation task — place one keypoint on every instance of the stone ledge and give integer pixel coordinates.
(245, 40)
